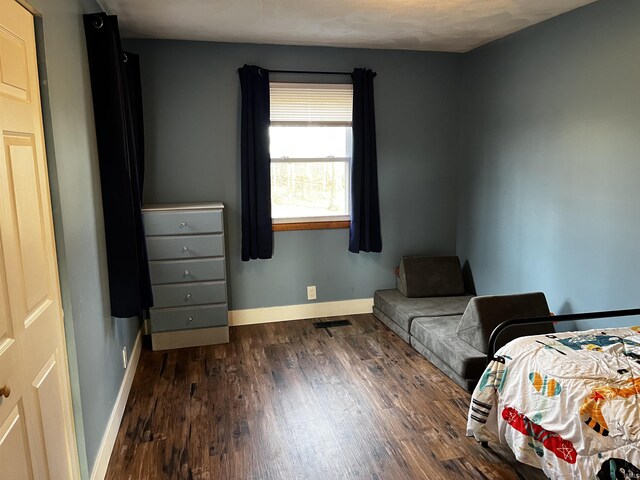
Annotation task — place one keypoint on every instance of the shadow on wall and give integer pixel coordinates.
(467, 278)
(566, 309)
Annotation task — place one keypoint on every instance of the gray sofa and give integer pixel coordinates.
(431, 310)
(426, 287)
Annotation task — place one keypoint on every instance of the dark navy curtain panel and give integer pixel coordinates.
(255, 160)
(134, 84)
(118, 119)
(364, 234)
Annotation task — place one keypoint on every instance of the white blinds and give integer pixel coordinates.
(311, 103)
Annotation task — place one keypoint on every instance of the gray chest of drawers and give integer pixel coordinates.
(185, 244)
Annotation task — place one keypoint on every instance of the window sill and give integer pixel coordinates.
(286, 227)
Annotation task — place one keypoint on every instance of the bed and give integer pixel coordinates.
(567, 403)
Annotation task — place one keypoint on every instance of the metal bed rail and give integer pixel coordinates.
(491, 351)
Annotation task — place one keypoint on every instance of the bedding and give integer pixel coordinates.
(567, 403)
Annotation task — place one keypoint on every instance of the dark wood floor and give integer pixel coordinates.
(288, 401)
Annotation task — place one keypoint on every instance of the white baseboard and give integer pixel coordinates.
(111, 433)
(299, 312)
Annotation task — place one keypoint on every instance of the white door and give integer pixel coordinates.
(37, 437)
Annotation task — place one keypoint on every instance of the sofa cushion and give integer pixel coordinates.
(485, 313)
(430, 277)
(438, 334)
(403, 310)
(393, 326)
(467, 383)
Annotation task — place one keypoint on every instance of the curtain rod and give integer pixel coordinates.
(309, 72)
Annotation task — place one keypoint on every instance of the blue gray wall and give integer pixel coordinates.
(550, 142)
(191, 106)
(94, 338)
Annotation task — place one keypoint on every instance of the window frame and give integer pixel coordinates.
(319, 222)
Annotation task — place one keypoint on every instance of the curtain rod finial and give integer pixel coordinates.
(98, 22)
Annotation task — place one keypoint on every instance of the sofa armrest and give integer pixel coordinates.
(485, 313)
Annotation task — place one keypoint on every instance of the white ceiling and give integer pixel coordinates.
(438, 25)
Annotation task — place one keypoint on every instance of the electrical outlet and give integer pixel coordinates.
(311, 292)
(125, 358)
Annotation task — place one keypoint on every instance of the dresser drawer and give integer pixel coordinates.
(181, 271)
(186, 294)
(182, 222)
(167, 319)
(185, 246)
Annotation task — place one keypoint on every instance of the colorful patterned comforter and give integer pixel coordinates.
(568, 403)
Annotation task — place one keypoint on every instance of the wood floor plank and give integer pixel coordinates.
(289, 401)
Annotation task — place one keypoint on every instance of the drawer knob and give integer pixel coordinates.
(185, 249)
(189, 320)
(183, 224)
(186, 273)
(187, 297)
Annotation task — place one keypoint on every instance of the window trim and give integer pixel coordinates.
(322, 225)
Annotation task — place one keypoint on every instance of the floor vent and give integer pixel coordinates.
(332, 323)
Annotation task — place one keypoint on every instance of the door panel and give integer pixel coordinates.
(14, 76)
(24, 192)
(14, 449)
(36, 420)
(49, 399)
(6, 330)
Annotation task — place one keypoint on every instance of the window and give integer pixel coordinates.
(310, 144)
